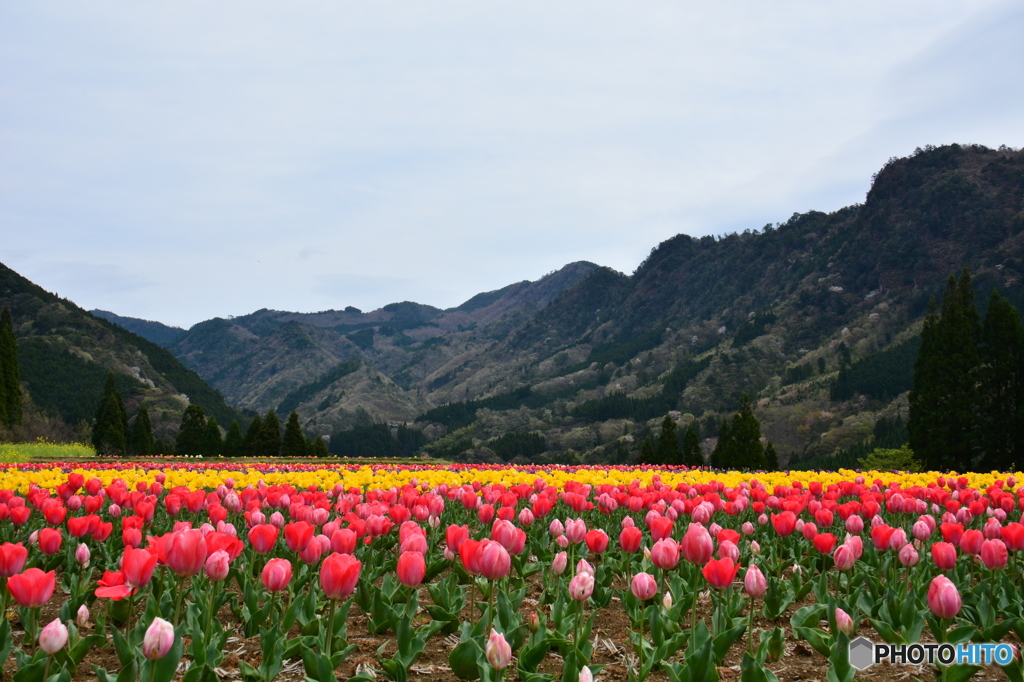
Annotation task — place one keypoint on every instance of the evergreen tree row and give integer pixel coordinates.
(967, 404)
(10, 385)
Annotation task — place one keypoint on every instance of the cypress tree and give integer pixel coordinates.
(159, 447)
(646, 452)
(722, 456)
(692, 455)
(748, 453)
(320, 447)
(110, 432)
(1001, 385)
(668, 444)
(213, 445)
(944, 412)
(234, 443)
(10, 384)
(771, 458)
(268, 441)
(294, 444)
(190, 435)
(252, 436)
(142, 434)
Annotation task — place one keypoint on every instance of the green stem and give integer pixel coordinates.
(330, 627)
(750, 628)
(177, 600)
(696, 594)
(209, 612)
(46, 668)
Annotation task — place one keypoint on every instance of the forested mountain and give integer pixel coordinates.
(65, 354)
(157, 332)
(816, 318)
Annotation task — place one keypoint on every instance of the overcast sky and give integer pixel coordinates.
(181, 161)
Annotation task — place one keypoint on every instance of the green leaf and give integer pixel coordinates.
(164, 669)
(752, 671)
(840, 669)
(464, 660)
(888, 634)
(960, 672)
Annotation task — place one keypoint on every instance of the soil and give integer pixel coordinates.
(801, 663)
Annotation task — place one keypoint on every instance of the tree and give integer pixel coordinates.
(771, 459)
(692, 455)
(142, 434)
(944, 416)
(646, 452)
(1001, 384)
(212, 445)
(190, 434)
(320, 447)
(110, 432)
(10, 385)
(159, 447)
(294, 444)
(722, 455)
(234, 444)
(668, 444)
(748, 453)
(252, 435)
(268, 440)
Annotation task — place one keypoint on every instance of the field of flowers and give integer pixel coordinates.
(202, 572)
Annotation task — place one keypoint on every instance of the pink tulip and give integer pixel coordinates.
(943, 597)
(754, 582)
(644, 586)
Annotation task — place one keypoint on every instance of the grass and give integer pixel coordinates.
(27, 452)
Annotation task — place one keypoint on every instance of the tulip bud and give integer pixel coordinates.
(583, 566)
(644, 586)
(82, 555)
(754, 582)
(581, 586)
(158, 640)
(908, 555)
(559, 563)
(533, 622)
(586, 675)
(666, 601)
(755, 547)
(82, 619)
(53, 637)
(498, 651)
(217, 565)
(943, 597)
(843, 622)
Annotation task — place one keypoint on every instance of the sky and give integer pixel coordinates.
(189, 160)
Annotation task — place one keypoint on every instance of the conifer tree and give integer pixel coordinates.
(722, 455)
(110, 432)
(646, 452)
(748, 453)
(252, 436)
(142, 434)
(1001, 386)
(159, 447)
(234, 443)
(294, 444)
(213, 445)
(668, 444)
(190, 435)
(268, 440)
(320, 447)
(771, 459)
(944, 414)
(692, 455)
(10, 384)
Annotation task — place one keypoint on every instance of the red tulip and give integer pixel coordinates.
(297, 535)
(263, 537)
(111, 586)
(720, 572)
(943, 597)
(1013, 536)
(50, 540)
(597, 541)
(277, 574)
(697, 546)
(630, 539)
(12, 559)
(33, 588)
(784, 523)
(344, 541)
(185, 552)
(994, 554)
(493, 560)
(412, 568)
(952, 532)
(223, 542)
(970, 542)
(455, 536)
(138, 566)
(661, 527)
(881, 535)
(824, 542)
(944, 554)
(339, 575)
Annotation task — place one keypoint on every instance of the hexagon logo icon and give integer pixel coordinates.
(862, 653)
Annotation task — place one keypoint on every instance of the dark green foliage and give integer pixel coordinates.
(943, 404)
(213, 445)
(692, 455)
(160, 448)
(452, 451)
(374, 440)
(142, 434)
(110, 431)
(463, 413)
(739, 442)
(647, 452)
(620, 406)
(294, 443)
(1001, 376)
(363, 339)
(771, 459)
(252, 436)
(882, 375)
(268, 440)
(668, 452)
(751, 329)
(307, 391)
(319, 448)
(159, 333)
(681, 375)
(10, 385)
(798, 373)
(618, 352)
(888, 433)
(512, 445)
(234, 443)
(189, 440)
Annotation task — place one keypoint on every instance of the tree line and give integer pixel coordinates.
(10, 386)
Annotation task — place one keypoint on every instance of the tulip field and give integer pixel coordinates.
(204, 572)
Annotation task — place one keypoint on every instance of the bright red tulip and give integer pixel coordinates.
(697, 547)
(630, 539)
(1013, 536)
(970, 542)
(993, 554)
(263, 537)
(944, 554)
(111, 586)
(455, 536)
(297, 535)
(138, 566)
(33, 588)
(223, 542)
(12, 559)
(277, 574)
(943, 597)
(185, 552)
(720, 572)
(784, 523)
(661, 527)
(339, 575)
(952, 532)
(50, 540)
(881, 535)
(597, 541)
(412, 568)
(824, 542)
(493, 560)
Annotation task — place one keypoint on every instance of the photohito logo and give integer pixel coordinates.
(864, 653)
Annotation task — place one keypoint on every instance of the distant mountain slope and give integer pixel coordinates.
(157, 332)
(64, 354)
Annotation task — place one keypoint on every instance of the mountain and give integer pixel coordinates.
(65, 353)
(157, 332)
(816, 318)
